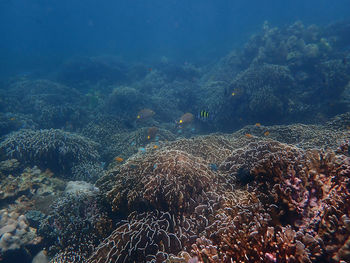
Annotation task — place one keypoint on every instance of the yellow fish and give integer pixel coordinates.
(266, 133)
(258, 124)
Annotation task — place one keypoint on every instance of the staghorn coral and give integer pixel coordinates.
(305, 192)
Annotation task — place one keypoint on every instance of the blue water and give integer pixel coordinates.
(39, 34)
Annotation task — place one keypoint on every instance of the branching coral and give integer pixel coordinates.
(54, 149)
(139, 239)
(50, 104)
(77, 223)
(295, 208)
(168, 180)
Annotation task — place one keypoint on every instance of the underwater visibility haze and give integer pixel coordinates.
(174, 131)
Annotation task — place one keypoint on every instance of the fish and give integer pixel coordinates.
(248, 135)
(119, 159)
(204, 115)
(185, 119)
(155, 146)
(258, 124)
(237, 92)
(267, 133)
(151, 132)
(142, 149)
(145, 114)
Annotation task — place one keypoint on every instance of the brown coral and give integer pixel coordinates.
(295, 208)
(169, 180)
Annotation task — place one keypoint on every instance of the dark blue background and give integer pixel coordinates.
(43, 33)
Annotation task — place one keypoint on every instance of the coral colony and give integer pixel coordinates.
(120, 168)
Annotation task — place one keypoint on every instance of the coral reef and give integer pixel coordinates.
(53, 149)
(16, 236)
(76, 224)
(282, 75)
(150, 192)
(303, 136)
(49, 104)
(31, 184)
(87, 171)
(287, 211)
(139, 239)
(9, 166)
(124, 101)
(8, 124)
(125, 144)
(103, 70)
(260, 93)
(170, 179)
